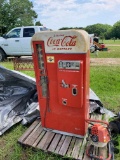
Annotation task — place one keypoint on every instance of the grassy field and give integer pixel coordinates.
(104, 80)
(113, 52)
(113, 42)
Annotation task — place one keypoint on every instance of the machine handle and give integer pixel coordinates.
(64, 85)
(97, 121)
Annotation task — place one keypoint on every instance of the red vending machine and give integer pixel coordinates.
(61, 63)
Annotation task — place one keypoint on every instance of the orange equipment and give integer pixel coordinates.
(99, 45)
(99, 135)
(61, 63)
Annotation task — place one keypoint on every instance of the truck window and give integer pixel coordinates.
(43, 29)
(14, 33)
(28, 32)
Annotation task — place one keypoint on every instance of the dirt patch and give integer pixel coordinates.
(113, 45)
(105, 61)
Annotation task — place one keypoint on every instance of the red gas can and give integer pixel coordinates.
(61, 63)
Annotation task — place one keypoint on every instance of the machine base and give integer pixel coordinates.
(64, 133)
(63, 145)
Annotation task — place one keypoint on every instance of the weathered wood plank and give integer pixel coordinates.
(82, 150)
(28, 131)
(49, 139)
(103, 152)
(96, 151)
(54, 143)
(76, 149)
(71, 147)
(85, 157)
(34, 135)
(65, 145)
(60, 144)
(43, 144)
(39, 138)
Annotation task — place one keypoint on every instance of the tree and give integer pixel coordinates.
(17, 13)
(2, 8)
(102, 37)
(66, 28)
(108, 34)
(116, 30)
(98, 29)
(38, 23)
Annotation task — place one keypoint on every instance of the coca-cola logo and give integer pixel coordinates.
(65, 41)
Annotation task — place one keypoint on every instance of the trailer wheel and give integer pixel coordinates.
(2, 55)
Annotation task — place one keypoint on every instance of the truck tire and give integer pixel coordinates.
(2, 55)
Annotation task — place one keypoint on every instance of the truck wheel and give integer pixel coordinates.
(18, 56)
(2, 55)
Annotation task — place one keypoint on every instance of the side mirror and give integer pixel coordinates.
(5, 36)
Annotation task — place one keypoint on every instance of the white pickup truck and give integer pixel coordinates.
(17, 41)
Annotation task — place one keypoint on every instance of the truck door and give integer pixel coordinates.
(12, 44)
(26, 40)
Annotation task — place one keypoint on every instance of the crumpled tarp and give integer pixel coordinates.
(19, 101)
(17, 95)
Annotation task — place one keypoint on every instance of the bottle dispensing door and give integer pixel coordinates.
(70, 83)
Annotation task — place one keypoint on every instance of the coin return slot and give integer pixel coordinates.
(74, 91)
(64, 102)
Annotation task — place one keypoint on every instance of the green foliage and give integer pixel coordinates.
(108, 34)
(38, 23)
(98, 29)
(116, 30)
(105, 31)
(66, 28)
(16, 13)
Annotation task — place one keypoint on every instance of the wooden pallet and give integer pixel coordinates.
(67, 146)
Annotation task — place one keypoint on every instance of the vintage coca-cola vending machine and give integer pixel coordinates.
(61, 63)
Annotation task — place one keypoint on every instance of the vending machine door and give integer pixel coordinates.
(70, 83)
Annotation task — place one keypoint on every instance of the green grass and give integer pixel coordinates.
(110, 41)
(113, 52)
(10, 65)
(11, 150)
(105, 81)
